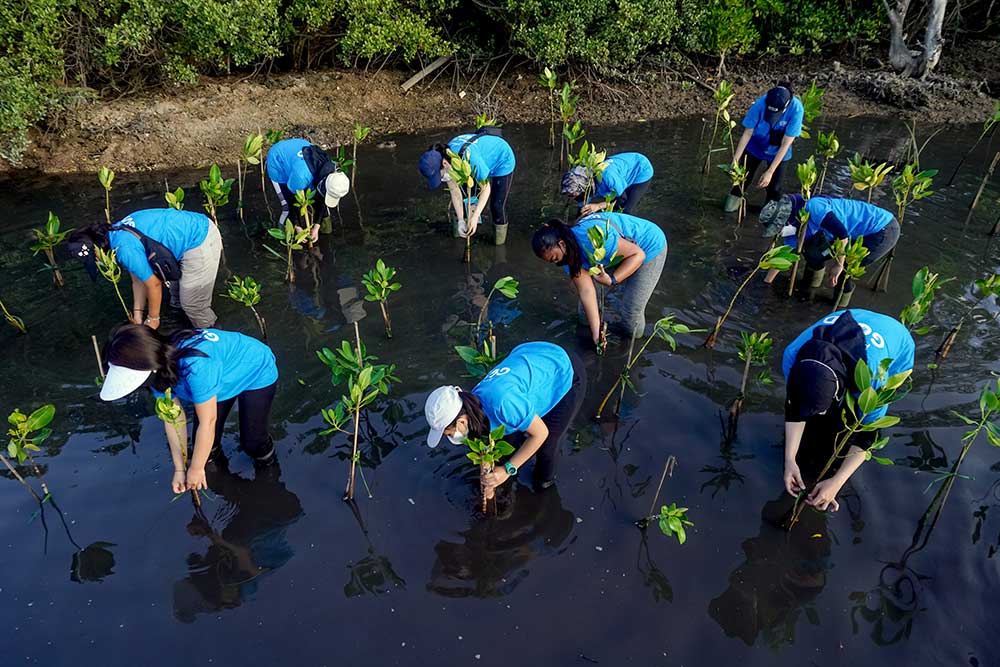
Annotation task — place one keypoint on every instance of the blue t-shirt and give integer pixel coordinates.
(527, 384)
(885, 338)
(286, 166)
(489, 155)
(643, 233)
(179, 231)
(235, 363)
(789, 125)
(623, 170)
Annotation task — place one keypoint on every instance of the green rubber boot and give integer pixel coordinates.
(501, 234)
(845, 301)
(816, 277)
(732, 203)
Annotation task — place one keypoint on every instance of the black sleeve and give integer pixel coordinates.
(832, 224)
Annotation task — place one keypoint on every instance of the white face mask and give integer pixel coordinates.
(457, 438)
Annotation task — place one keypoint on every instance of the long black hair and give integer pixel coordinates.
(549, 235)
(140, 348)
(472, 408)
(96, 234)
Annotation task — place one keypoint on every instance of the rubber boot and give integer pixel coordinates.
(732, 203)
(816, 277)
(845, 300)
(501, 234)
(267, 460)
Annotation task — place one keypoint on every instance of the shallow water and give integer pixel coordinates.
(560, 577)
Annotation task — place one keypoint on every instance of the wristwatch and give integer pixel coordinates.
(614, 281)
(510, 468)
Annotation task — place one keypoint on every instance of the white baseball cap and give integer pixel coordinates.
(121, 382)
(441, 408)
(337, 185)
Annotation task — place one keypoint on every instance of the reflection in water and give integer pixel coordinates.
(653, 577)
(93, 563)
(783, 573)
(493, 559)
(373, 574)
(980, 515)
(251, 544)
(725, 474)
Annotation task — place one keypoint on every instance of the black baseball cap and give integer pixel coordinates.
(777, 100)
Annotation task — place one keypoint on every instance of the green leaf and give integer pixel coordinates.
(862, 376)
(883, 422)
(868, 401)
(882, 461)
(41, 417)
(497, 433)
(12, 450)
(994, 438)
(468, 354)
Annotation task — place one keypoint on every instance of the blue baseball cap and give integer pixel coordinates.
(430, 167)
(777, 100)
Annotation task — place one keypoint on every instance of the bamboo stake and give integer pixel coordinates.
(982, 186)
(97, 353)
(349, 492)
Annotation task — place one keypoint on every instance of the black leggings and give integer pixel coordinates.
(629, 199)
(752, 162)
(879, 245)
(255, 420)
(499, 191)
(558, 421)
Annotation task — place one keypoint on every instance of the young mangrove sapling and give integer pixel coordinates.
(506, 286)
(854, 414)
(170, 412)
(987, 287)
(567, 109)
(806, 172)
(486, 453)
(723, 95)
(14, 320)
(175, 199)
(982, 185)
(379, 283)
(304, 200)
(671, 519)
(571, 135)
(216, 190)
(549, 81)
(738, 176)
(366, 381)
(293, 239)
(600, 263)
(989, 408)
(778, 258)
(25, 434)
(989, 124)
(754, 350)
(911, 185)
(665, 329)
(110, 270)
(251, 153)
(247, 291)
(827, 145)
(106, 177)
(924, 286)
(851, 255)
(361, 133)
(460, 172)
(479, 362)
(594, 161)
(47, 239)
(866, 177)
(812, 106)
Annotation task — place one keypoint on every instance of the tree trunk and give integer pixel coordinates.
(900, 57)
(932, 38)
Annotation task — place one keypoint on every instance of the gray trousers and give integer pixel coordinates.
(627, 304)
(199, 268)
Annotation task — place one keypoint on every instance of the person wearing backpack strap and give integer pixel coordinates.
(642, 247)
(492, 161)
(154, 245)
(296, 164)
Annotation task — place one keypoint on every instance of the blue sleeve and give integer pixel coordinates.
(832, 224)
(515, 413)
(794, 126)
(134, 260)
(300, 177)
(203, 378)
(754, 114)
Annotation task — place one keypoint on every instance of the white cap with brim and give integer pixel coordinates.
(337, 185)
(441, 408)
(121, 382)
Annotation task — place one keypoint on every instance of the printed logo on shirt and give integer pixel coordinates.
(299, 154)
(495, 373)
(871, 336)
(127, 221)
(211, 337)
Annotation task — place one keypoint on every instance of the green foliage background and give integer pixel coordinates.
(52, 52)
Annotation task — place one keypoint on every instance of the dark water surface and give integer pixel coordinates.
(283, 572)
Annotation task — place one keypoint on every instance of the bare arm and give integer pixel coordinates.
(588, 297)
(477, 211)
(633, 256)
(742, 145)
(154, 290)
(793, 438)
(138, 299)
(824, 494)
(537, 432)
(177, 443)
(204, 438)
(786, 143)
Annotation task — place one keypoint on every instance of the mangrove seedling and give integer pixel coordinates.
(911, 185)
(925, 285)
(549, 81)
(988, 125)
(252, 153)
(600, 263)
(851, 254)
(47, 239)
(571, 135)
(987, 287)
(484, 119)
(506, 286)
(460, 171)
(778, 258)
(379, 283)
(806, 171)
(14, 320)
(828, 145)
(486, 453)
(989, 408)
(738, 176)
(855, 413)
(304, 200)
(754, 350)
(106, 177)
(340, 157)
(722, 95)
(110, 270)
(216, 190)
(366, 381)
(175, 199)
(594, 161)
(25, 434)
(865, 176)
(170, 412)
(247, 291)
(800, 240)
(567, 109)
(665, 329)
(293, 239)
(670, 519)
(982, 185)
(361, 133)
(479, 362)
(812, 105)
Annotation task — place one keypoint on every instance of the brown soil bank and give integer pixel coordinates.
(207, 123)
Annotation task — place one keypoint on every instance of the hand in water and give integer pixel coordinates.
(496, 478)
(196, 479)
(179, 483)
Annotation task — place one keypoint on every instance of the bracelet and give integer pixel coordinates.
(152, 319)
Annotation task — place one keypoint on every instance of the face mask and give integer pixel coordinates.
(457, 438)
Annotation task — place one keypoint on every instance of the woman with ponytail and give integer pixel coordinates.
(642, 247)
(209, 368)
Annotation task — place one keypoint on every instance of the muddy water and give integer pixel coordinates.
(279, 569)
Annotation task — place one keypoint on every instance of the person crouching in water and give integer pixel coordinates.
(296, 164)
(209, 368)
(534, 393)
(624, 181)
